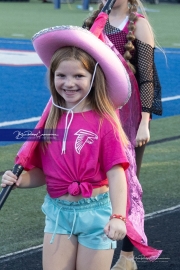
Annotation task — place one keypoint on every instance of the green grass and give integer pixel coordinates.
(165, 128)
(27, 18)
(22, 222)
(7, 158)
(161, 166)
(160, 176)
(165, 24)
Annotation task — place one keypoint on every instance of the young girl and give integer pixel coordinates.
(86, 199)
(132, 37)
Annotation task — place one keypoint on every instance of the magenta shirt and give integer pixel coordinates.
(92, 149)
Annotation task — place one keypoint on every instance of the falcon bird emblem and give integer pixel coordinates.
(83, 137)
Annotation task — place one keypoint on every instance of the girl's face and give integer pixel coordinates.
(72, 82)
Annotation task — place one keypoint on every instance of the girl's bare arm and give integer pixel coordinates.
(115, 228)
(30, 179)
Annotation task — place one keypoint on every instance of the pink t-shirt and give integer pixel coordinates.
(92, 149)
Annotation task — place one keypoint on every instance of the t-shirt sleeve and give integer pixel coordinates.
(112, 151)
(29, 158)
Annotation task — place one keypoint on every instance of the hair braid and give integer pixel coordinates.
(90, 20)
(130, 36)
(129, 47)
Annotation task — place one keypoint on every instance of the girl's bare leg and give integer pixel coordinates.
(92, 259)
(61, 254)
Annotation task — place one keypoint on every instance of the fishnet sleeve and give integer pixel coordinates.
(147, 77)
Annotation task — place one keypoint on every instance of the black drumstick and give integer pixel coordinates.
(17, 170)
(108, 6)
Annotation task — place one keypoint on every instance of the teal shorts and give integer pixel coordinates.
(85, 219)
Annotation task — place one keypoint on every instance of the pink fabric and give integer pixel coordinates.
(135, 210)
(130, 120)
(130, 115)
(149, 253)
(89, 155)
(125, 29)
(27, 152)
(77, 188)
(98, 25)
(47, 41)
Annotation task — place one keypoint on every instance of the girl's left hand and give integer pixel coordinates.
(115, 229)
(143, 134)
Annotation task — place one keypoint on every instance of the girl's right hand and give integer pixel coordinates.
(9, 179)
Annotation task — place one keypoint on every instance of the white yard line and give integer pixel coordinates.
(17, 122)
(170, 98)
(35, 119)
(18, 35)
(20, 252)
(16, 41)
(168, 51)
(176, 44)
(161, 212)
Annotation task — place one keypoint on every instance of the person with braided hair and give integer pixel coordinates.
(131, 35)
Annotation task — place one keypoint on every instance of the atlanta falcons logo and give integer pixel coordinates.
(84, 136)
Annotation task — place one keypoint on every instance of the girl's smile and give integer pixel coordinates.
(72, 82)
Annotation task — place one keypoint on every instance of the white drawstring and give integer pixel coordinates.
(74, 220)
(67, 125)
(56, 225)
(66, 130)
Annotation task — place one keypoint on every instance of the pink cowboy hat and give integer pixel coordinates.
(49, 40)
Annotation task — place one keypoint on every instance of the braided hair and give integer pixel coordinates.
(129, 47)
(130, 35)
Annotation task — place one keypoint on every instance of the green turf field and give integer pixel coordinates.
(21, 220)
(24, 19)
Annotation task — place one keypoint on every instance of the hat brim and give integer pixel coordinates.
(49, 40)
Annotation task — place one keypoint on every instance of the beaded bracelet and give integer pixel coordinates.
(118, 216)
